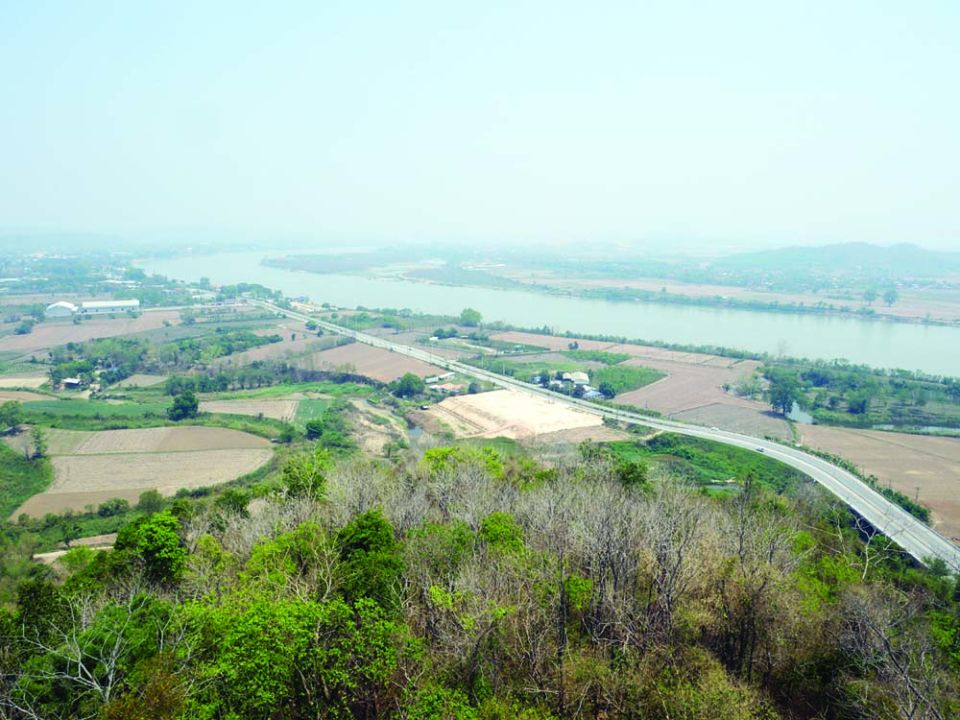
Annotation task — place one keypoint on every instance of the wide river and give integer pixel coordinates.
(929, 348)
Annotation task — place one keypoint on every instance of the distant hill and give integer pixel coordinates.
(850, 258)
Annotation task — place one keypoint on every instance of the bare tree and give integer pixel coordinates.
(882, 628)
(85, 661)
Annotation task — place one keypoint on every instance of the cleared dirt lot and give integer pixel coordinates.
(90, 468)
(371, 362)
(52, 333)
(278, 409)
(508, 413)
(906, 462)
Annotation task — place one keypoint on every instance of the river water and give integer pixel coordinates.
(929, 348)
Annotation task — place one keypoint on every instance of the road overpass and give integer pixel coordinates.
(916, 538)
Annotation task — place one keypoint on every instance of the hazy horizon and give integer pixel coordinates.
(684, 128)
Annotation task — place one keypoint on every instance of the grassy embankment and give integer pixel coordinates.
(20, 478)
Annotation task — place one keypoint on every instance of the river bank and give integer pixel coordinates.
(927, 348)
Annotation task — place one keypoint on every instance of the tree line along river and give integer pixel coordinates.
(928, 348)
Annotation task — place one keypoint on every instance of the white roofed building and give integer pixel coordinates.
(105, 307)
(62, 309)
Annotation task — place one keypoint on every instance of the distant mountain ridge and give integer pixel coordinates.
(854, 257)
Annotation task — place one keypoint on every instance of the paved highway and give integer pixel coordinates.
(919, 540)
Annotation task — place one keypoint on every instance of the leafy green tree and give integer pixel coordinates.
(783, 393)
(409, 385)
(440, 703)
(370, 557)
(501, 531)
(150, 502)
(234, 501)
(470, 317)
(858, 404)
(40, 608)
(304, 474)
(287, 434)
(38, 439)
(314, 429)
(185, 405)
(632, 473)
(155, 540)
(870, 295)
(890, 296)
(11, 415)
(294, 658)
(113, 506)
(607, 390)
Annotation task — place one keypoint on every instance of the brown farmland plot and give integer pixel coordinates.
(920, 466)
(97, 466)
(371, 362)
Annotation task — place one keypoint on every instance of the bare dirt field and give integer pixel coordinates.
(278, 409)
(21, 396)
(747, 420)
(22, 381)
(97, 466)
(368, 361)
(52, 333)
(906, 462)
(140, 381)
(508, 413)
(168, 439)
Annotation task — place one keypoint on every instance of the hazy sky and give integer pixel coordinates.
(739, 123)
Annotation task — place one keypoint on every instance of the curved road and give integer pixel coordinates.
(918, 539)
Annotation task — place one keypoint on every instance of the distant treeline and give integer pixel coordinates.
(256, 375)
